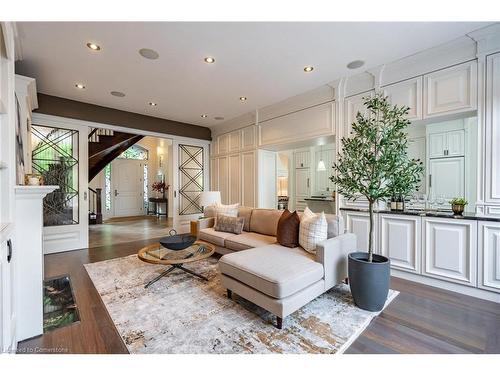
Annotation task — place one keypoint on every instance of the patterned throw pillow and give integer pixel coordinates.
(288, 229)
(313, 229)
(227, 209)
(229, 224)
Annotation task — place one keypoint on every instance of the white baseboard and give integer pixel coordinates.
(470, 291)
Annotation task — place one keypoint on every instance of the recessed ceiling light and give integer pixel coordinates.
(80, 86)
(218, 118)
(149, 53)
(209, 60)
(355, 64)
(243, 98)
(152, 104)
(204, 116)
(93, 46)
(308, 69)
(118, 94)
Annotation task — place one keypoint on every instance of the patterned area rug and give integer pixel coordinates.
(183, 314)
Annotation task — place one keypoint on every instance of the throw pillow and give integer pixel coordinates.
(288, 229)
(313, 229)
(229, 224)
(227, 209)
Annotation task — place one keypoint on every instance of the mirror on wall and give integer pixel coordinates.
(449, 153)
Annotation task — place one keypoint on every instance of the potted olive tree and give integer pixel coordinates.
(373, 163)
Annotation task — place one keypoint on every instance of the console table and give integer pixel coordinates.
(157, 202)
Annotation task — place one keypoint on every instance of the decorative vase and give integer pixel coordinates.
(369, 281)
(458, 209)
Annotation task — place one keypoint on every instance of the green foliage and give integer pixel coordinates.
(374, 162)
(459, 200)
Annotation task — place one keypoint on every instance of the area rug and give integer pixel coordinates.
(184, 314)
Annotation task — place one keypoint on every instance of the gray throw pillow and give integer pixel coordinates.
(229, 224)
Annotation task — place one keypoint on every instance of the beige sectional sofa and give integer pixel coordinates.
(277, 278)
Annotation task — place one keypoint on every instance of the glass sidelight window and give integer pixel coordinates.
(191, 179)
(55, 157)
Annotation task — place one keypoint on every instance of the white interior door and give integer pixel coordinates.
(127, 177)
(60, 155)
(191, 177)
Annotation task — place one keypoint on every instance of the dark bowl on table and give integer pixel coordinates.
(178, 242)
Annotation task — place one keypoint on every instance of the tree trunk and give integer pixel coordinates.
(370, 236)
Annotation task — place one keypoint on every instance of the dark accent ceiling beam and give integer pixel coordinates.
(53, 105)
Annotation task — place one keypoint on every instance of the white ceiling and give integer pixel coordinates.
(262, 61)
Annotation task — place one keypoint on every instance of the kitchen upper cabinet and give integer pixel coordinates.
(235, 141)
(416, 150)
(297, 126)
(450, 250)
(492, 130)
(353, 105)
(223, 144)
(451, 90)
(248, 181)
(407, 93)
(400, 241)
(248, 138)
(302, 182)
(359, 224)
(447, 144)
(322, 183)
(303, 159)
(234, 179)
(447, 178)
(489, 255)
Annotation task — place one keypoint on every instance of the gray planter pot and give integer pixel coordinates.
(369, 282)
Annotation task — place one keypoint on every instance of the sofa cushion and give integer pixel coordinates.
(274, 270)
(248, 240)
(246, 213)
(288, 229)
(214, 237)
(313, 229)
(265, 221)
(229, 224)
(335, 225)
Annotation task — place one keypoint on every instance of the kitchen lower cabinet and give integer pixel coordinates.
(400, 241)
(450, 249)
(489, 255)
(359, 224)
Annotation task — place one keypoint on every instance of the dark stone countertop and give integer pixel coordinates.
(320, 199)
(429, 213)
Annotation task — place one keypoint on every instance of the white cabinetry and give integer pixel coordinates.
(223, 180)
(451, 90)
(235, 141)
(447, 144)
(400, 241)
(447, 178)
(248, 182)
(223, 144)
(248, 138)
(450, 250)
(7, 295)
(359, 224)
(407, 93)
(234, 179)
(353, 105)
(302, 183)
(489, 255)
(492, 129)
(214, 174)
(302, 159)
(308, 123)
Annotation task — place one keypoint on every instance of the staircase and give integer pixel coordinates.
(104, 146)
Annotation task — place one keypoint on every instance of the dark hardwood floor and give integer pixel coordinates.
(421, 319)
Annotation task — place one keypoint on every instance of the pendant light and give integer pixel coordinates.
(321, 164)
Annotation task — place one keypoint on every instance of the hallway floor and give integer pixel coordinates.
(127, 229)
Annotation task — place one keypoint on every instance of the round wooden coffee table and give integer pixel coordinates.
(157, 254)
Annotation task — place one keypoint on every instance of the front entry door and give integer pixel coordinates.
(60, 155)
(190, 179)
(128, 184)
